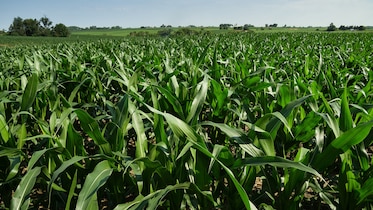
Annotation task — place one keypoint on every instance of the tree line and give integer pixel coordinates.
(332, 27)
(34, 27)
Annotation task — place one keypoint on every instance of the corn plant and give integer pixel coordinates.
(229, 121)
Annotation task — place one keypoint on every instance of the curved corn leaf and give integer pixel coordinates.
(61, 169)
(9, 152)
(180, 128)
(239, 137)
(345, 121)
(92, 184)
(29, 94)
(4, 129)
(199, 100)
(276, 162)
(24, 188)
(72, 190)
(90, 126)
(366, 190)
(36, 156)
(172, 100)
(153, 200)
(341, 144)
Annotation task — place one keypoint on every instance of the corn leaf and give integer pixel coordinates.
(181, 128)
(4, 129)
(92, 184)
(346, 122)
(341, 144)
(199, 100)
(72, 190)
(29, 94)
(276, 162)
(90, 126)
(24, 189)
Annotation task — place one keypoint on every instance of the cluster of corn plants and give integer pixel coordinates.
(255, 121)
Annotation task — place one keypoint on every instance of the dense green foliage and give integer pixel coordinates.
(34, 27)
(230, 121)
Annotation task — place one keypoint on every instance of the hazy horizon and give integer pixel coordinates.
(137, 13)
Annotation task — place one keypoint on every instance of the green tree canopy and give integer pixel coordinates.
(61, 30)
(31, 27)
(17, 28)
(34, 27)
(331, 27)
(45, 26)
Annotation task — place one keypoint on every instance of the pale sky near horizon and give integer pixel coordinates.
(136, 13)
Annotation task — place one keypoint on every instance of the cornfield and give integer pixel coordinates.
(229, 121)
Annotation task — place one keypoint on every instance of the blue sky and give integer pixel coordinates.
(136, 13)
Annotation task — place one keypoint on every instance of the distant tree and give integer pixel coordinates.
(239, 28)
(247, 26)
(45, 26)
(342, 28)
(273, 25)
(31, 27)
(46, 23)
(331, 27)
(225, 26)
(361, 28)
(61, 30)
(17, 28)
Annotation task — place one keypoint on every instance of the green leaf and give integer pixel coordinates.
(118, 128)
(239, 137)
(92, 184)
(4, 129)
(220, 95)
(14, 163)
(283, 120)
(180, 128)
(342, 144)
(23, 189)
(229, 131)
(365, 191)
(276, 162)
(75, 91)
(21, 134)
(275, 123)
(345, 122)
(9, 152)
(90, 126)
(138, 125)
(199, 100)
(253, 81)
(29, 94)
(172, 100)
(153, 200)
(72, 190)
(61, 169)
(36, 156)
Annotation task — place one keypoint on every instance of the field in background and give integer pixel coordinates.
(220, 121)
(214, 30)
(97, 34)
